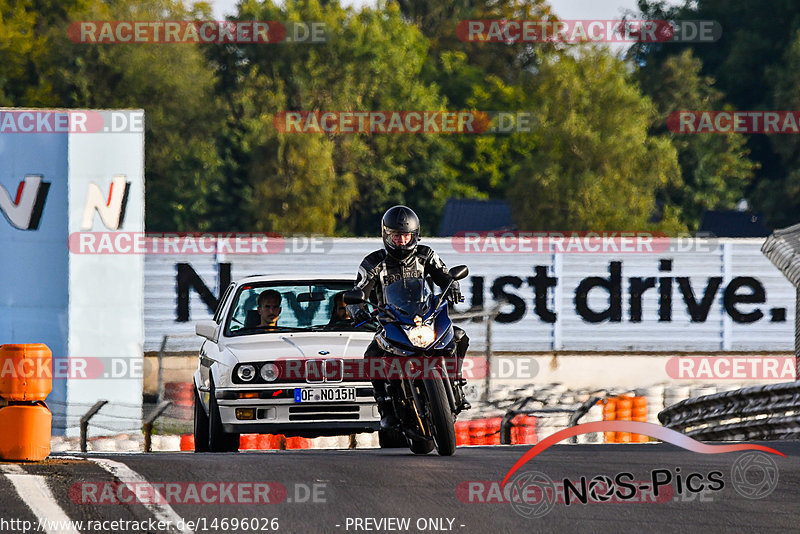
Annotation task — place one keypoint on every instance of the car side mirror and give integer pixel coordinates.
(206, 329)
(459, 271)
(354, 296)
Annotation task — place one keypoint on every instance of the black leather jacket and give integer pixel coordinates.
(378, 270)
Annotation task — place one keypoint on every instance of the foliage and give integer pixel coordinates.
(594, 165)
(598, 156)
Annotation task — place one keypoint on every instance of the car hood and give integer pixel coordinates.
(300, 345)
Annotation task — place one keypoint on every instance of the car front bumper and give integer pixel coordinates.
(310, 419)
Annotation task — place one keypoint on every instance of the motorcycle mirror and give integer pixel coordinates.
(354, 296)
(459, 271)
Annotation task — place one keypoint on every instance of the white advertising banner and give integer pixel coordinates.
(675, 295)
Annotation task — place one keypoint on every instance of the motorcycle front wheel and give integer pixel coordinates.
(440, 417)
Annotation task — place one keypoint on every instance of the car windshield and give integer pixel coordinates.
(410, 295)
(304, 306)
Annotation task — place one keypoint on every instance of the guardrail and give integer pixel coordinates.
(760, 412)
(782, 248)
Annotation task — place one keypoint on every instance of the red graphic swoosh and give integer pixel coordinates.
(648, 429)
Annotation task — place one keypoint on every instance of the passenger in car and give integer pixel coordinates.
(269, 307)
(339, 314)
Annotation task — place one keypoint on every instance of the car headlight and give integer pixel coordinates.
(269, 372)
(246, 372)
(421, 336)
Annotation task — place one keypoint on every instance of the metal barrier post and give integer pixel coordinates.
(85, 421)
(148, 424)
(487, 380)
(160, 393)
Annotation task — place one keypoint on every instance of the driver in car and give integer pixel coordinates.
(269, 307)
(401, 257)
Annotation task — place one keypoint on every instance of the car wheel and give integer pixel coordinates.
(200, 425)
(392, 439)
(218, 439)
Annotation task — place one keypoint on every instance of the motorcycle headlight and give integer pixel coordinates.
(246, 372)
(269, 372)
(421, 336)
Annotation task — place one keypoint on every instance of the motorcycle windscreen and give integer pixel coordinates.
(410, 296)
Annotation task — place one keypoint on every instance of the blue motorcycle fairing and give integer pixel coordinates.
(396, 335)
(395, 321)
(441, 324)
(444, 325)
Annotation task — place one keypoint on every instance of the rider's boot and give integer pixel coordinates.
(388, 419)
(461, 402)
(462, 343)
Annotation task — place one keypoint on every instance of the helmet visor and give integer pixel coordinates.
(401, 239)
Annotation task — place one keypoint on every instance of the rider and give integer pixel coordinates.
(401, 257)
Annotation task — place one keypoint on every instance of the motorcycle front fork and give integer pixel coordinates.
(409, 392)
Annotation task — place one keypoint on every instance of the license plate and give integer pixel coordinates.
(325, 394)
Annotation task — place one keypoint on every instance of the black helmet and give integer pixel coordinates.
(399, 220)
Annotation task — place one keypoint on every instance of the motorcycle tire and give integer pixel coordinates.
(441, 418)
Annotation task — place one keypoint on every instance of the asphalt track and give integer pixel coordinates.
(361, 490)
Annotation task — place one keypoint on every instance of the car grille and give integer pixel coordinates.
(324, 412)
(324, 371)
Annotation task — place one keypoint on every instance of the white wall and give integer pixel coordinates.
(106, 302)
(81, 306)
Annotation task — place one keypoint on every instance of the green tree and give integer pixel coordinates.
(172, 83)
(715, 169)
(439, 21)
(371, 61)
(593, 165)
(756, 43)
(779, 194)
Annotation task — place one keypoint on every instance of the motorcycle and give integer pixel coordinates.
(415, 330)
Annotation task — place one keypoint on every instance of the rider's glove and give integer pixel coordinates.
(455, 295)
(362, 316)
